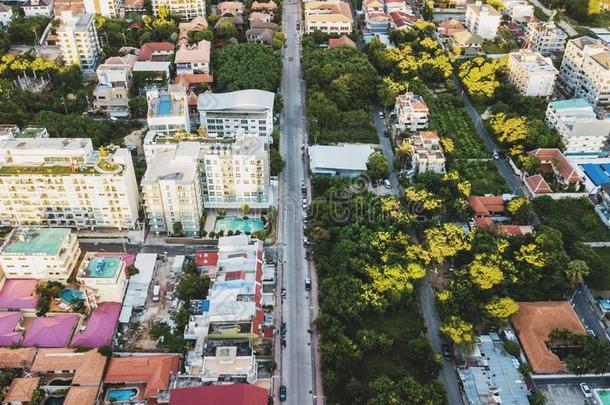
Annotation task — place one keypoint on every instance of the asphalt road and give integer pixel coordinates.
(296, 363)
(587, 313)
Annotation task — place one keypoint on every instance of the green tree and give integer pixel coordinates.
(192, 286)
(278, 40)
(132, 270)
(247, 66)
(276, 162)
(576, 271)
(378, 166)
(177, 228)
(460, 332)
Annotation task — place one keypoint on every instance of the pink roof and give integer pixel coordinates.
(53, 331)
(18, 294)
(231, 394)
(99, 327)
(8, 323)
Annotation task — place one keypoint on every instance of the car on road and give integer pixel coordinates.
(381, 116)
(496, 155)
(387, 183)
(447, 354)
(305, 241)
(282, 392)
(307, 284)
(586, 390)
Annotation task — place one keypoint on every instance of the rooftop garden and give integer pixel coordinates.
(48, 170)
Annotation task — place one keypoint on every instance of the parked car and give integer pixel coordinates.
(307, 284)
(387, 183)
(447, 354)
(586, 390)
(381, 116)
(282, 392)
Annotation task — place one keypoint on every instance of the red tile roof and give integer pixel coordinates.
(514, 230)
(343, 40)
(154, 371)
(567, 172)
(536, 184)
(150, 48)
(428, 135)
(402, 19)
(484, 206)
(232, 394)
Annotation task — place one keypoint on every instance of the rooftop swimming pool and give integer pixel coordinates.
(121, 394)
(102, 267)
(249, 225)
(165, 106)
(70, 295)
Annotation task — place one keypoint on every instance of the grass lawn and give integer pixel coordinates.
(574, 217)
(482, 175)
(453, 122)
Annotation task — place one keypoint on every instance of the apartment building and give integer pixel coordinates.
(78, 41)
(411, 111)
(427, 153)
(577, 124)
(185, 9)
(482, 19)
(532, 73)
(36, 8)
(64, 182)
(103, 277)
(545, 37)
(6, 15)
(518, 10)
(226, 114)
(330, 17)
(111, 95)
(106, 8)
(168, 110)
(171, 188)
(39, 253)
(585, 70)
(193, 59)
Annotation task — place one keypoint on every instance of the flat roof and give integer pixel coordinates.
(39, 242)
(340, 157)
(251, 99)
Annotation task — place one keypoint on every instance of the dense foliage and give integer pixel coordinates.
(247, 66)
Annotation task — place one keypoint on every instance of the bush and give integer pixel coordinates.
(512, 348)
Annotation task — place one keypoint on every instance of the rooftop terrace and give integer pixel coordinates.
(40, 242)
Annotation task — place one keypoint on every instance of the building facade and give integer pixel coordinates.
(64, 182)
(103, 277)
(226, 114)
(35, 8)
(411, 111)
(427, 153)
(78, 41)
(531, 73)
(106, 8)
(546, 37)
(39, 253)
(585, 70)
(185, 9)
(330, 17)
(111, 95)
(193, 59)
(482, 19)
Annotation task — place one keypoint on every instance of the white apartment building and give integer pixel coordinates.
(330, 17)
(518, 10)
(585, 70)
(171, 189)
(106, 8)
(577, 124)
(168, 110)
(39, 253)
(111, 94)
(103, 277)
(35, 8)
(427, 153)
(6, 15)
(193, 59)
(546, 37)
(531, 73)
(411, 111)
(64, 182)
(226, 114)
(185, 9)
(482, 19)
(78, 41)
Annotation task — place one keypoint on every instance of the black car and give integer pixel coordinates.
(447, 354)
(282, 392)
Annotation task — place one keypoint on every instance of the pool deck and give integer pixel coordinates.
(210, 221)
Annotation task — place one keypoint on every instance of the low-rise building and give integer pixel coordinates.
(518, 10)
(35, 8)
(235, 394)
(78, 41)
(184, 9)
(532, 73)
(42, 254)
(545, 37)
(156, 52)
(234, 8)
(343, 40)
(226, 114)
(185, 28)
(555, 164)
(411, 111)
(330, 17)
(577, 124)
(401, 20)
(467, 41)
(111, 95)
(339, 160)
(168, 110)
(450, 26)
(103, 277)
(18, 295)
(427, 155)
(193, 59)
(399, 6)
(490, 214)
(585, 70)
(482, 19)
(51, 331)
(267, 8)
(261, 35)
(139, 285)
(6, 15)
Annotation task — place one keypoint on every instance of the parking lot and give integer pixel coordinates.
(562, 394)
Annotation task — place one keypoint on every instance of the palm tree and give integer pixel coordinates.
(576, 271)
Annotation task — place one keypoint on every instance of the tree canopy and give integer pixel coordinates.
(247, 66)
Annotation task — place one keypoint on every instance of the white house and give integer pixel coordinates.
(545, 37)
(411, 112)
(339, 160)
(6, 15)
(193, 59)
(35, 8)
(427, 155)
(518, 10)
(482, 19)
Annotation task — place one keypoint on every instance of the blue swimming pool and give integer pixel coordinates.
(70, 295)
(238, 224)
(121, 394)
(165, 106)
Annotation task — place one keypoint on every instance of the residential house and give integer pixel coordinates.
(184, 9)
(518, 10)
(111, 95)
(532, 73)
(343, 40)
(21, 390)
(330, 17)
(185, 28)
(482, 19)
(227, 394)
(467, 41)
(577, 124)
(36, 8)
(11, 328)
(585, 70)
(450, 26)
(490, 214)
(546, 37)
(230, 8)
(193, 59)
(339, 160)
(552, 162)
(427, 155)
(103, 277)
(51, 331)
(78, 41)
(6, 15)
(258, 17)
(267, 8)
(260, 35)
(18, 295)
(156, 52)
(41, 254)
(411, 111)
(398, 6)
(401, 20)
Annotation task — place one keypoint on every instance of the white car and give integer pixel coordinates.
(381, 116)
(387, 183)
(586, 390)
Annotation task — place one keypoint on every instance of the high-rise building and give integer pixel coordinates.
(185, 9)
(585, 70)
(78, 41)
(64, 182)
(531, 73)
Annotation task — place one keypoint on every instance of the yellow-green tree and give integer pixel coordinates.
(446, 241)
(485, 271)
(531, 254)
(500, 309)
(460, 332)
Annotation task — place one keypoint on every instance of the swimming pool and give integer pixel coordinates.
(121, 394)
(103, 267)
(602, 396)
(238, 224)
(54, 401)
(165, 106)
(69, 295)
